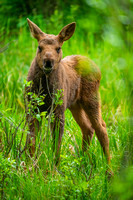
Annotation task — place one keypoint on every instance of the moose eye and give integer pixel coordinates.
(40, 49)
(58, 49)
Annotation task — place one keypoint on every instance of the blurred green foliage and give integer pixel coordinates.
(123, 186)
(113, 19)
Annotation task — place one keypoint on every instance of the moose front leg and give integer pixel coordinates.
(57, 132)
(33, 129)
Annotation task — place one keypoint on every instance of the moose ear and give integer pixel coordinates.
(35, 30)
(67, 32)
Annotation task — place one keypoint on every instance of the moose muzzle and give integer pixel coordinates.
(48, 65)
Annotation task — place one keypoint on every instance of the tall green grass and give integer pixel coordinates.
(78, 176)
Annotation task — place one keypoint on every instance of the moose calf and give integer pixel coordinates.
(79, 79)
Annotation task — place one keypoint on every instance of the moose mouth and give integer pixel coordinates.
(48, 66)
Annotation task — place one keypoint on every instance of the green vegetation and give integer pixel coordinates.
(104, 33)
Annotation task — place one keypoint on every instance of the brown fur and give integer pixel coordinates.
(80, 87)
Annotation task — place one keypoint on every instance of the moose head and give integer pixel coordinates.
(49, 52)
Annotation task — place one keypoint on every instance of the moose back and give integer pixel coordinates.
(77, 76)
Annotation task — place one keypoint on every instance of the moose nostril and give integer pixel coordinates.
(48, 63)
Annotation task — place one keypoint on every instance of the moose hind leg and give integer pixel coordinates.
(94, 113)
(84, 124)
